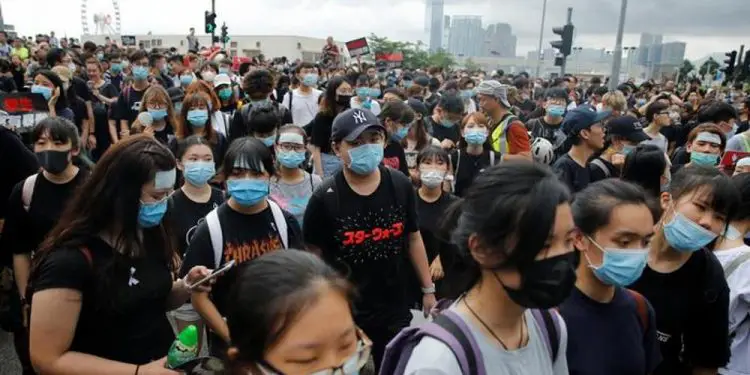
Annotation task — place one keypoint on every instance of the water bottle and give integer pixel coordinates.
(184, 348)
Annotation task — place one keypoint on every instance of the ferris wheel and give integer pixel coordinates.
(105, 23)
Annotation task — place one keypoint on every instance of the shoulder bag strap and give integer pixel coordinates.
(217, 238)
(27, 191)
(278, 218)
(736, 263)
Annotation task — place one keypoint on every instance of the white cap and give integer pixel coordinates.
(222, 79)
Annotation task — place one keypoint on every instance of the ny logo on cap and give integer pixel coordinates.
(637, 125)
(359, 117)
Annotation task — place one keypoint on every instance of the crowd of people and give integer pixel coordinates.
(541, 226)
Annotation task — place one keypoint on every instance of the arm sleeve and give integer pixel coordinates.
(15, 237)
(316, 229)
(706, 336)
(734, 144)
(24, 164)
(285, 100)
(62, 268)
(199, 251)
(119, 110)
(518, 138)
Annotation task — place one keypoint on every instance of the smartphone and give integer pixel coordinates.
(216, 273)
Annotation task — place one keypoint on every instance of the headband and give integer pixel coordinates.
(165, 179)
(708, 137)
(290, 137)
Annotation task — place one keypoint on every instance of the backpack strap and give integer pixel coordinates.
(217, 238)
(641, 307)
(549, 324)
(455, 170)
(87, 254)
(736, 263)
(746, 139)
(492, 158)
(600, 165)
(400, 196)
(27, 191)
(278, 218)
(291, 98)
(460, 341)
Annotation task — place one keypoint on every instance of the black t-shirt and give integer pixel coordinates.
(80, 112)
(430, 215)
(123, 309)
(238, 127)
(443, 132)
(571, 173)
(81, 88)
(551, 132)
(102, 110)
(165, 135)
(467, 167)
(692, 313)
(186, 215)
(24, 164)
(609, 338)
(320, 132)
(128, 105)
(394, 157)
(24, 231)
(367, 239)
(246, 237)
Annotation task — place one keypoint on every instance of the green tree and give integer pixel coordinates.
(685, 70)
(471, 66)
(415, 54)
(442, 59)
(710, 66)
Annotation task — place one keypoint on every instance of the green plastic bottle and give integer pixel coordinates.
(184, 348)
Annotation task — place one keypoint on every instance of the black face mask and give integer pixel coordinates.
(344, 100)
(545, 283)
(53, 161)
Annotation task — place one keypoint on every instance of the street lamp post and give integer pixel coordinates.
(615, 76)
(541, 37)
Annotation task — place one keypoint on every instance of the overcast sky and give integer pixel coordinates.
(706, 26)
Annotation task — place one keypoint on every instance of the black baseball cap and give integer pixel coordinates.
(582, 117)
(627, 127)
(350, 124)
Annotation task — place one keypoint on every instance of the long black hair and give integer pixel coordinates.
(62, 100)
(645, 166)
(511, 208)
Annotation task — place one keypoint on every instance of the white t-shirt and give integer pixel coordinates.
(374, 105)
(432, 357)
(305, 106)
(739, 311)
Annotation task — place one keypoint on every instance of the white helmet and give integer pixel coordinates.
(542, 150)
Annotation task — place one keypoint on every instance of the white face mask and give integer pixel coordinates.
(208, 76)
(431, 178)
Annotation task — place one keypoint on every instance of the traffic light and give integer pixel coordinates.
(746, 65)
(224, 34)
(729, 68)
(566, 35)
(210, 22)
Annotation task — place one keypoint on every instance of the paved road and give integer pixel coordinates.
(9, 364)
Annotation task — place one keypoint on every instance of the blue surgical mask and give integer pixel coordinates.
(447, 123)
(310, 79)
(400, 134)
(641, 102)
(475, 136)
(198, 173)
(732, 132)
(627, 149)
(363, 92)
(269, 141)
(290, 159)
(467, 94)
(151, 214)
(158, 114)
(186, 79)
(44, 90)
(702, 158)
(225, 94)
(555, 110)
(100, 56)
(732, 233)
(374, 93)
(178, 107)
(140, 73)
(247, 191)
(685, 235)
(115, 68)
(620, 267)
(224, 71)
(365, 158)
(197, 117)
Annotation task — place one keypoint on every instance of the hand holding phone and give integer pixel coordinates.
(214, 274)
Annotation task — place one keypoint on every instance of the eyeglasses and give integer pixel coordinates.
(292, 147)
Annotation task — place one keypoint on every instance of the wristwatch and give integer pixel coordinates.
(429, 290)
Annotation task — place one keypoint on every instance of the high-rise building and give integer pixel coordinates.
(672, 53)
(646, 48)
(434, 23)
(466, 36)
(500, 41)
